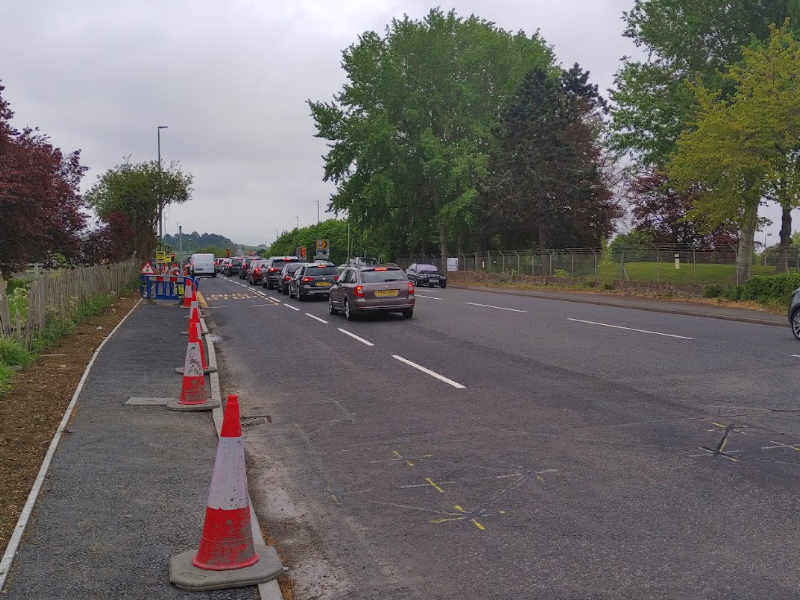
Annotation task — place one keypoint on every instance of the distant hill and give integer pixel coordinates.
(194, 241)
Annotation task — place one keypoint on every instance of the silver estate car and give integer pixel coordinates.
(371, 288)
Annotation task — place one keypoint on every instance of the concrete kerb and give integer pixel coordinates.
(601, 302)
(269, 590)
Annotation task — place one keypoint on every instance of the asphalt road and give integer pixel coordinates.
(508, 447)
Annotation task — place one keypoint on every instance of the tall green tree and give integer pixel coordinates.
(736, 152)
(546, 184)
(409, 132)
(686, 41)
(140, 191)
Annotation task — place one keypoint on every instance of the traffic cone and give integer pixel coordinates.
(187, 292)
(194, 291)
(228, 556)
(195, 336)
(193, 388)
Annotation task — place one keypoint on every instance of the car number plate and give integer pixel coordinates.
(323, 284)
(385, 293)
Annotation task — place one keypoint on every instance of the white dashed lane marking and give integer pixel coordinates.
(671, 335)
(434, 374)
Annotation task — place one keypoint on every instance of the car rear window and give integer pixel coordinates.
(318, 271)
(426, 269)
(292, 267)
(381, 276)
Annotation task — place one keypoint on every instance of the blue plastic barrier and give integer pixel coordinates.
(163, 287)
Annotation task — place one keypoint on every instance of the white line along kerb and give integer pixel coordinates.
(355, 337)
(496, 307)
(672, 335)
(448, 381)
(19, 529)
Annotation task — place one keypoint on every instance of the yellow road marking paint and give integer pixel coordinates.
(397, 454)
(478, 525)
(433, 483)
(718, 425)
(409, 463)
(458, 508)
(202, 300)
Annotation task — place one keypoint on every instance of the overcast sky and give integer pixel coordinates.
(230, 79)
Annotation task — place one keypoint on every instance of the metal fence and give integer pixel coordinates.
(668, 264)
(58, 294)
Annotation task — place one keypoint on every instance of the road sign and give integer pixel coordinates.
(227, 252)
(323, 249)
(301, 251)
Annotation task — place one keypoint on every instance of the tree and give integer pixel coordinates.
(736, 153)
(545, 184)
(662, 212)
(41, 209)
(139, 191)
(410, 130)
(686, 41)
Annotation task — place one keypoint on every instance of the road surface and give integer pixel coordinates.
(507, 447)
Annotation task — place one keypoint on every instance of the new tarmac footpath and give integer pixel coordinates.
(128, 485)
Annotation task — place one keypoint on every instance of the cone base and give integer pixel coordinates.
(205, 371)
(175, 404)
(183, 574)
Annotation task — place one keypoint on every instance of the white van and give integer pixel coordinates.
(202, 264)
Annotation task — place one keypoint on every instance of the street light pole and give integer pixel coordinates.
(160, 208)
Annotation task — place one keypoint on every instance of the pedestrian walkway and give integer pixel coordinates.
(128, 485)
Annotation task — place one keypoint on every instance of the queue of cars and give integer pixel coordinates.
(356, 288)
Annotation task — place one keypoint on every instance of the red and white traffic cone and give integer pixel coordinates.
(193, 388)
(187, 292)
(227, 556)
(195, 336)
(194, 291)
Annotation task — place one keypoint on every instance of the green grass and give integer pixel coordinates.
(665, 272)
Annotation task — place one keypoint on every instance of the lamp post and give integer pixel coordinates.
(160, 208)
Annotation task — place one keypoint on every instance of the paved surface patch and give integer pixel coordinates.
(128, 485)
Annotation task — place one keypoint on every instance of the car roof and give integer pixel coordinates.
(384, 267)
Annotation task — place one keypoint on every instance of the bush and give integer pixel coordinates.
(561, 274)
(13, 352)
(608, 285)
(734, 292)
(590, 283)
(712, 291)
(770, 288)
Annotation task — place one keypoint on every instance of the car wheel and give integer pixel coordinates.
(300, 296)
(408, 313)
(348, 312)
(214, 275)
(796, 323)
(331, 308)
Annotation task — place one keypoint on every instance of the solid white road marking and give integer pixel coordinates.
(794, 355)
(672, 335)
(317, 318)
(292, 307)
(455, 384)
(355, 337)
(497, 307)
(430, 297)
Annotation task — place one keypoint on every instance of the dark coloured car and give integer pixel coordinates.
(794, 313)
(274, 268)
(365, 289)
(313, 279)
(233, 267)
(287, 273)
(424, 274)
(247, 261)
(256, 271)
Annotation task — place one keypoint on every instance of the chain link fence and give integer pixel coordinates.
(58, 294)
(666, 264)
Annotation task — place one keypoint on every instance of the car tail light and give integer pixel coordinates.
(286, 278)
(410, 288)
(273, 270)
(306, 279)
(358, 291)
